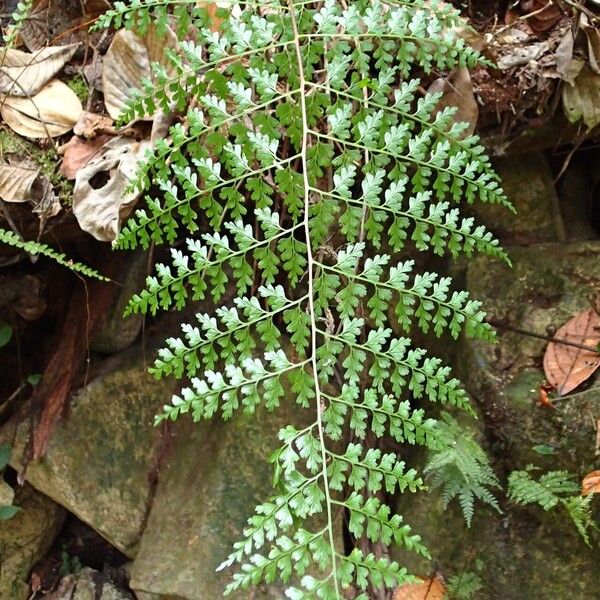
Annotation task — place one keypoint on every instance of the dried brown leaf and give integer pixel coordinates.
(16, 182)
(566, 367)
(79, 152)
(582, 99)
(593, 42)
(547, 14)
(458, 91)
(591, 484)
(90, 125)
(428, 589)
(25, 74)
(128, 63)
(100, 210)
(51, 112)
(57, 19)
(568, 65)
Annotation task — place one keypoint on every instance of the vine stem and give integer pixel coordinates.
(311, 307)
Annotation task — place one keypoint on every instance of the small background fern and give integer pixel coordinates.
(305, 169)
(551, 490)
(461, 468)
(37, 248)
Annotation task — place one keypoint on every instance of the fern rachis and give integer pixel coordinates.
(307, 150)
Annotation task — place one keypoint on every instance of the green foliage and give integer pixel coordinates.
(17, 18)
(68, 564)
(5, 335)
(551, 490)
(464, 586)
(35, 248)
(307, 165)
(7, 511)
(461, 468)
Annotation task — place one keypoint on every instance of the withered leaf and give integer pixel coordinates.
(57, 19)
(458, 91)
(16, 182)
(566, 367)
(427, 589)
(591, 484)
(547, 14)
(79, 152)
(24, 74)
(51, 112)
(100, 208)
(128, 63)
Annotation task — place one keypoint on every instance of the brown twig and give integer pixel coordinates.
(539, 336)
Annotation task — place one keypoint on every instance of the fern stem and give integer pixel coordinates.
(310, 269)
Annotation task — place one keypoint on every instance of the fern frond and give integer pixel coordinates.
(37, 248)
(552, 489)
(461, 468)
(306, 163)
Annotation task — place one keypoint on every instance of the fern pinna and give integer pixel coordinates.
(315, 161)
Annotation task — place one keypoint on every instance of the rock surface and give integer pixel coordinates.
(89, 585)
(118, 333)
(24, 539)
(209, 485)
(529, 185)
(100, 458)
(524, 553)
(546, 287)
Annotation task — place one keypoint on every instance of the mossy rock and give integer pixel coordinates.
(211, 480)
(25, 539)
(520, 554)
(529, 184)
(547, 285)
(101, 457)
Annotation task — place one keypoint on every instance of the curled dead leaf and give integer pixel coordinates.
(100, 199)
(51, 112)
(427, 589)
(542, 15)
(128, 63)
(16, 182)
(24, 74)
(566, 367)
(67, 21)
(458, 91)
(90, 125)
(591, 484)
(79, 152)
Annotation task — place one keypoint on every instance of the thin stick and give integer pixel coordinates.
(539, 336)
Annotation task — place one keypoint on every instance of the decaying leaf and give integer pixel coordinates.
(593, 42)
(428, 589)
(544, 14)
(128, 63)
(100, 200)
(581, 101)
(566, 366)
(458, 91)
(568, 65)
(79, 152)
(25, 74)
(91, 125)
(591, 484)
(68, 21)
(16, 182)
(51, 112)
